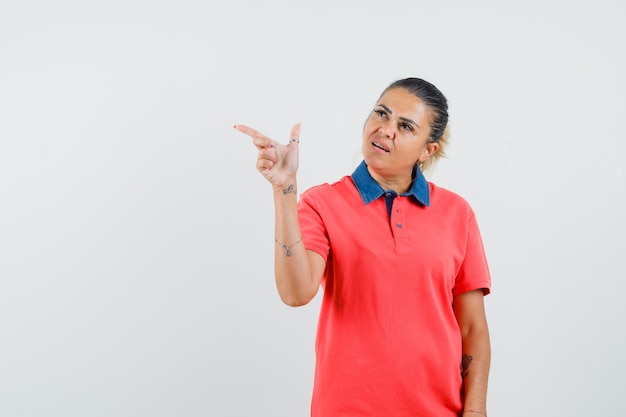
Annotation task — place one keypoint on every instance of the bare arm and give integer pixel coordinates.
(298, 271)
(470, 313)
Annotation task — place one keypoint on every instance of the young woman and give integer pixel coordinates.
(402, 328)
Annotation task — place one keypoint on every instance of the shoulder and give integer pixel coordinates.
(327, 190)
(443, 199)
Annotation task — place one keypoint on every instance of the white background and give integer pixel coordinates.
(136, 237)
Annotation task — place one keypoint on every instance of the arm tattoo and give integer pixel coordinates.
(289, 190)
(465, 363)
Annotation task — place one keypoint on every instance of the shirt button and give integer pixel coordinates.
(399, 225)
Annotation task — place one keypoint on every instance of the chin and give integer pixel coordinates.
(374, 163)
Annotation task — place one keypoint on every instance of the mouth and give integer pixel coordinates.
(380, 146)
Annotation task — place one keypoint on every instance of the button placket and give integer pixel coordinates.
(397, 221)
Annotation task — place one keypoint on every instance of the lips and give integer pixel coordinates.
(380, 146)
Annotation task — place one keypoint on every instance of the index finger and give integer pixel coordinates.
(258, 138)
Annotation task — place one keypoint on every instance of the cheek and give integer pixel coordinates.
(365, 124)
(369, 128)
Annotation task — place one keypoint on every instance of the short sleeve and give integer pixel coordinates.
(314, 234)
(474, 271)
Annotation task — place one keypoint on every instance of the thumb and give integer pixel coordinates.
(294, 136)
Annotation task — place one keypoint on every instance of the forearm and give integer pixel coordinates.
(294, 279)
(475, 368)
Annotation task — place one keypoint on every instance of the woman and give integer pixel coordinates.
(402, 328)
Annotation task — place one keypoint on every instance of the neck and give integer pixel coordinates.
(399, 184)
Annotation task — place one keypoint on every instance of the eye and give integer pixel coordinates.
(406, 126)
(380, 112)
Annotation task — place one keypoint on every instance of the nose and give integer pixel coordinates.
(388, 130)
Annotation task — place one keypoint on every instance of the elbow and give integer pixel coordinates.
(294, 301)
(296, 297)
(296, 292)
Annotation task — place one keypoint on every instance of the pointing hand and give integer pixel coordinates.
(276, 162)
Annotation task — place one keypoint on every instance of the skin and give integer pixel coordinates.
(299, 275)
(400, 123)
(469, 310)
(395, 138)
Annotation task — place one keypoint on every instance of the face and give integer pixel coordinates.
(396, 134)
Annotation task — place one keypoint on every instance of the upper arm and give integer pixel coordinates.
(469, 309)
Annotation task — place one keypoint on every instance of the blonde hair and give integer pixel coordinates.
(443, 142)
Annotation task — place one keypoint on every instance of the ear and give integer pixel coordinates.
(429, 150)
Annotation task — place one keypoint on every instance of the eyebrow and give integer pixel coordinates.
(404, 119)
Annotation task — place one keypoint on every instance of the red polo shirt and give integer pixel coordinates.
(388, 343)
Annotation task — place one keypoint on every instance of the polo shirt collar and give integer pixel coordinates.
(370, 190)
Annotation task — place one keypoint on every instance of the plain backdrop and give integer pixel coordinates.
(136, 237)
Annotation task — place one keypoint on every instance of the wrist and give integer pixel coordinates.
(289, 187)
(475, 413)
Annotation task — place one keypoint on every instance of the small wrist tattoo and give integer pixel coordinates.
(289, 190)
(465, 363)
